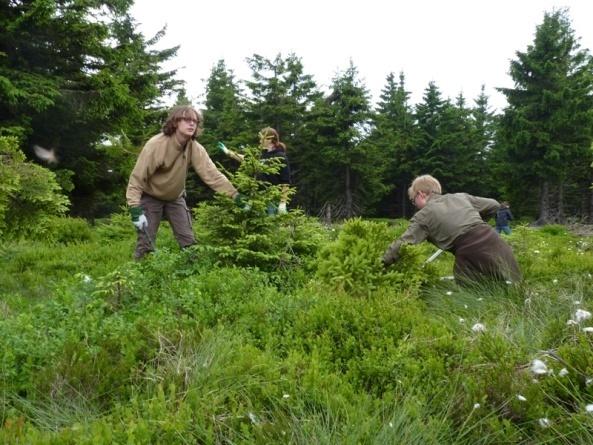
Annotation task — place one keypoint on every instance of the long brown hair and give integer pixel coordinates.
(269, 134)
(179, 112)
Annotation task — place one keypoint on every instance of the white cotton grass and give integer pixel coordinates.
(478, 327)
(538, 367)
(461, 320)
(449, 292)
(521, 398)
(589, 408)
(563, 372)
(571, 323)
(544, 422)
(582, 315)
(476, 405)
(588, 329)
(286, 396)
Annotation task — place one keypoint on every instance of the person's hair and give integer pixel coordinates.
(426, 184)
(269, 134)
(179, 112)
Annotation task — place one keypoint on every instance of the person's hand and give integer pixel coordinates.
(138, 218)
(241, 202)
(282, 208)
(222, 148)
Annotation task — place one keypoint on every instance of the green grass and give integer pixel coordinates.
(181, 349)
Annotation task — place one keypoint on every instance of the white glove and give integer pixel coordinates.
(282, 208)
(141, 223)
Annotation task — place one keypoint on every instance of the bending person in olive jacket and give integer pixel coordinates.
(456, 223)
(157, 184)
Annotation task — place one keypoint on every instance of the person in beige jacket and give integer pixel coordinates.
(156, 188)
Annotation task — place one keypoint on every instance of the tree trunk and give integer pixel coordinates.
(404, 201)
(561, 217)
(544, 205)
(348, 204)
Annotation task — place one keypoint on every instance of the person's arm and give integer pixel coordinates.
(230, 153)
(414, 234)
(285, 179)
(145, 166)
(486, 207)
(208, 172)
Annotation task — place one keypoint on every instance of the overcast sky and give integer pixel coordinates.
(459, 44)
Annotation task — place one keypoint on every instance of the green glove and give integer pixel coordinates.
(138, 218)
(241, 202)
(222, 148)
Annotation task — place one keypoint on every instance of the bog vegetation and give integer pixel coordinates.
(276, 330)
(310, 341)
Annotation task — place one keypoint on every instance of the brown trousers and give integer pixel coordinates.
(482, 254)
(178, 215)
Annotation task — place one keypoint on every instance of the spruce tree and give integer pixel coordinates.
(547, 127)
(395, 135)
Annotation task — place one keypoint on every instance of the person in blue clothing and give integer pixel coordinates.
(271, 148)
(503, 218)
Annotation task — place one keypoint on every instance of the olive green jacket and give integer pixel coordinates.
(442, 220)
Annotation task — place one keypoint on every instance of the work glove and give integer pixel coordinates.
(241, 202)
(138, 218)
(282, 209)
(391, 255)
(223, 148)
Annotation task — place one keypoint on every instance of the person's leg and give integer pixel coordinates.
(153, 209)
(506, 230)
(179, 216)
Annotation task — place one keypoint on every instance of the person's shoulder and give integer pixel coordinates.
(155, 142)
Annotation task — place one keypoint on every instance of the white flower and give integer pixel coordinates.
(544, 422)
(461, 320)
(588, 329)
(589, 408)
(521, 398)
(563, 372)
(538, 367)
(390, 424)
(449, 292)
(253, 418)
(589, 275)
(480, 299)
(588, 381)
(86, 279)
(571, 322)
(577, 302)
(478, 327)
(465, 306)
(581, 315)
(476, 405)
(285, 396)
(536, 251)
(555, 281)
(509, 282)
(528, 300)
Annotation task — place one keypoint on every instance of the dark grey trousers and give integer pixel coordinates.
(178, 215)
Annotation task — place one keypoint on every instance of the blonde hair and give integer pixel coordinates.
(269, 134)
(179, 112)
(426, 184)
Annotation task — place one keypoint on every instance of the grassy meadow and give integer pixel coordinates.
(297, 336)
